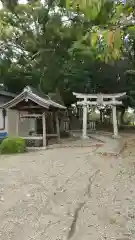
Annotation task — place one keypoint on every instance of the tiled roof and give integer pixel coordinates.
(35, 96)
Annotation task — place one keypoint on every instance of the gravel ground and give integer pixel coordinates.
(63, 194)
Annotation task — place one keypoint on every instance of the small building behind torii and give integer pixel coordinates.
(99, 100)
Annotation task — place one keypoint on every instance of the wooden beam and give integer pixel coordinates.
(29, 107)
(33, 138)
(36, 148)
(31, 115)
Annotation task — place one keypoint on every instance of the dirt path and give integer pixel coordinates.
(67, 194)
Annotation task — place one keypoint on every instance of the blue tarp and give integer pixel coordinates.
(3, 135)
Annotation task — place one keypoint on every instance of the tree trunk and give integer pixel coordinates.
(122, 116)
(101, 116)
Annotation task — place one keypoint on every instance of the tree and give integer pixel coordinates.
(108, 24)
(62, 49)
(33, 43)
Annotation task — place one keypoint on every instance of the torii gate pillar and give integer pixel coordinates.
(85, 113)
(115, 123)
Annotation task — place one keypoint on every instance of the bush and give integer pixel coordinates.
(12, 145)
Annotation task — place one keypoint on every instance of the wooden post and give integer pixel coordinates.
(52, 122)
(17, 122)
(44, 129)
(6, 120)
(57, 126)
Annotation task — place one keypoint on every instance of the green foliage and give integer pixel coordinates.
(12, 145)
(90, 8)
(108, 21)
(72, 49)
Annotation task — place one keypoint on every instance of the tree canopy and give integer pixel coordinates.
(84, 46)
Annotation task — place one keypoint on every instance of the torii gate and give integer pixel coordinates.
(99, 100)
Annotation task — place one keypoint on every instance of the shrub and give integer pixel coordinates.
(12, 145)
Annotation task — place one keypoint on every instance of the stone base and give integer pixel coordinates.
(84, 138)
(116, 137)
